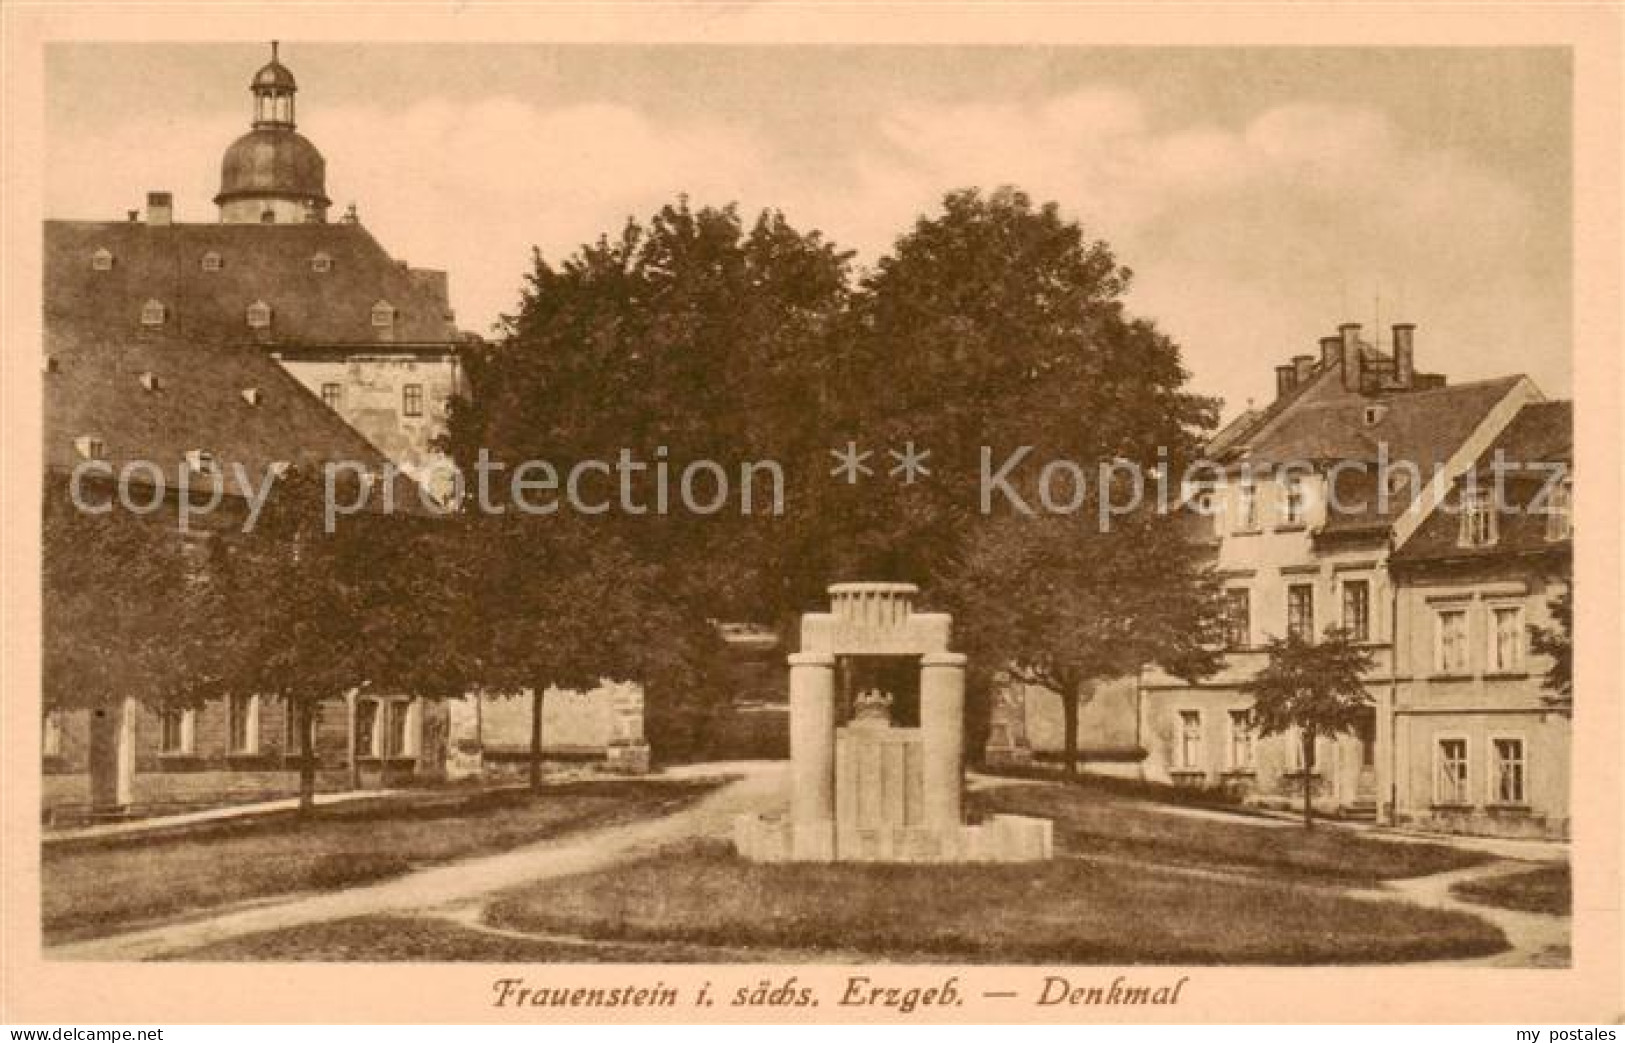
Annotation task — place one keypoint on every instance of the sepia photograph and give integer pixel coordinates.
(710, 528)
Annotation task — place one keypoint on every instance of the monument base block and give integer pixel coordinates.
(627, 760)
(1002, 838)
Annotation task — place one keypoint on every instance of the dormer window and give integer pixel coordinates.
(153, 313)
(259, 316)
(1374, 414)
(90, 447)
(252, 396)
(383, 315)
(150, 381)
(102, 260)
(1246, 508)
(1292, 502)
(200, 461)
(1477, 518)
(211, 261)
(1560, 513)
(321, 263)
(52, 364)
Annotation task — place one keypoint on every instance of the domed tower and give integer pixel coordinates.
(272, 174)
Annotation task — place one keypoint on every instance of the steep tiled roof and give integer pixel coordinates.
(273, 263)
(94, 387)
(1542, 433)
(1421, 426)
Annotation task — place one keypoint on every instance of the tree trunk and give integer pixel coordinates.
(307, 757)
(538, 695)
(1308, 779)
(1069, 711)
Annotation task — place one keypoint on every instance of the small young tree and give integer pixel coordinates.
(317, 611)
(1557, 641)
(549, 602)
(1064, 603)
(1316, 687)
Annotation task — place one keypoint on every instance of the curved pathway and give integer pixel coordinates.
(759, 788)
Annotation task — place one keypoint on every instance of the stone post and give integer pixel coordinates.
(812, 739)
(942, 736)
(125, 787)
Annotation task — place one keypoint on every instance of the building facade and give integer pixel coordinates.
(269, 337)
(1309, 517)
(1474, 739)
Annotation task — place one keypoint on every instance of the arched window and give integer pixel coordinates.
(102, 260)
(321, 263)
(383, 315)
(211, 261)
(153, 313)
(259, 315)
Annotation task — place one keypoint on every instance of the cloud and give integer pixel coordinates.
(1248, 240)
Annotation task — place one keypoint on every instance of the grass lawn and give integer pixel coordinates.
(100, 886)
(1070, 910)
(1099, 820)
(1544, 889)
(376, 939)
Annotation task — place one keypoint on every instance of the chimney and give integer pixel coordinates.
(1353, 361)
(1331, 352)
(160, 208)
(1286, 379)
(134, 216)
(1304, 366)
(1405, 353)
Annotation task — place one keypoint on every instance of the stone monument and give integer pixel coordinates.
(877, 742)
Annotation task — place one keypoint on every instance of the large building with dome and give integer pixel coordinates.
(267, 337)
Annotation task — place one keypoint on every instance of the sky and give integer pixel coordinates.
(1261, 196)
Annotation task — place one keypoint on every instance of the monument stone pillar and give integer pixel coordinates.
(812, 745)
(942, 736)
(869, 788)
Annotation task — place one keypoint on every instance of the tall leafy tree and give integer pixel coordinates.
(995, 333)
(692, 336)
(1317, 687)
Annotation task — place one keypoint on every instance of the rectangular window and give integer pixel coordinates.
(1241, 740)
(244, 711)
(1300, 611)
(1450, 645)
(293, 745)
(1357, 609)
(175, 730)
(1246, 508)
(367, 732)
(1506, 639)
(1509, 771)
(399, 734)
(1450, 786)
(412, 400)
(1559, 513)
(1295, 751)
(1238, 618)
(51, 734)
(1190, 739)
(1477, 518)
(1292, 503)
(333, 396)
